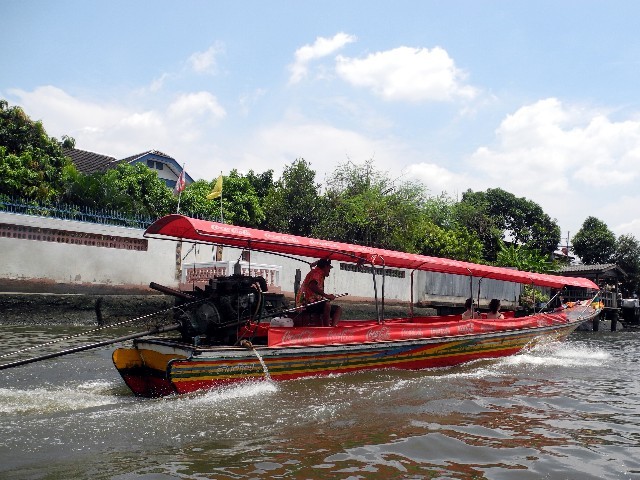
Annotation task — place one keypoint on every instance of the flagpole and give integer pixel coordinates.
(221, 216)
(180, 177)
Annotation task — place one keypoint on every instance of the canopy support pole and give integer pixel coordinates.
(375, 289)
(379, 309)
(384, 277)
(411, 298)
(471, 293)
(478, 296)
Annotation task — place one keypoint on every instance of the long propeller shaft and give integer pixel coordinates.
(166, 328)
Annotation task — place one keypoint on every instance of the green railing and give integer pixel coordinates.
(74, 212)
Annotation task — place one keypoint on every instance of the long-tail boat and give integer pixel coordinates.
(227, 334)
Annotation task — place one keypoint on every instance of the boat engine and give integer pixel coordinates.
(214, 314)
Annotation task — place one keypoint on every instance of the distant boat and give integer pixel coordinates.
(234, 330)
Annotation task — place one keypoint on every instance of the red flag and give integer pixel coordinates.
(179, 183)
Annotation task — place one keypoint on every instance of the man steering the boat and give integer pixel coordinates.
(313, 297)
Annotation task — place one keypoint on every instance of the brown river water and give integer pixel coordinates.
(564, 411)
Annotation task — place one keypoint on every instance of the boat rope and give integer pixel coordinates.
(102, 327)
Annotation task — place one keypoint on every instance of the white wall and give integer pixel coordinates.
(23, 259)
(32, 261)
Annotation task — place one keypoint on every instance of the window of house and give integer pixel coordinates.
(155, 165)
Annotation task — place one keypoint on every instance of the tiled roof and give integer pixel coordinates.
(88, 162)
(600, 270)
(152, 152)
(588, 268)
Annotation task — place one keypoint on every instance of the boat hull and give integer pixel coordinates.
(158, 367)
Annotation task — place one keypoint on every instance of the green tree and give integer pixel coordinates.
(594, 243)
(364, 206)
(472, 214)
(457, 243)
(262, 183)
(238, 205)
(293, 205)
(194, 202)
(68, 142)
(521, 221)
(147, 193)
(91, 190)
(627, 257)
(524, 259)
(31, 163)
(240, 202)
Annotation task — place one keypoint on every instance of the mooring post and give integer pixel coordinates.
(98, 308)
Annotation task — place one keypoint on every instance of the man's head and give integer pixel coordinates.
(325, 264)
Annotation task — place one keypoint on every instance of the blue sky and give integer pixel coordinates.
(540, 98)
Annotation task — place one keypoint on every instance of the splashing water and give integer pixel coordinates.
(51, 400)
(267, 376)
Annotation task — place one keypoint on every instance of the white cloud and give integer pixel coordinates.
(439, 179)
(158, 83)
(321, 144)
(559, 146)
(320, 48)
(570, 160)
(63, 114)
(180, 129)
(631, 227)
(196, 104)
(247, 100)
(408, 74)
(206, 62)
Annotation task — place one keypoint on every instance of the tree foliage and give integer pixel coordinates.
(194, 202)
(293, 204)
(594, 243)
(627, 257)
(32, 164)
(456, 243)
(521, 221)
(240, 202)
(364, 206)
(524, 259)
(472, 214)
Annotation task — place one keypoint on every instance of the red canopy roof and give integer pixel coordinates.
(204, 231)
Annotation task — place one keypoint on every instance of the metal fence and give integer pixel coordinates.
(74, 212)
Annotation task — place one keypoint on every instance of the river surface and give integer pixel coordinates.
(564, 411)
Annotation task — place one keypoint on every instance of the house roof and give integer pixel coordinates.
(88, 162)
(171, 162)
(144, 154)
(603, 270)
